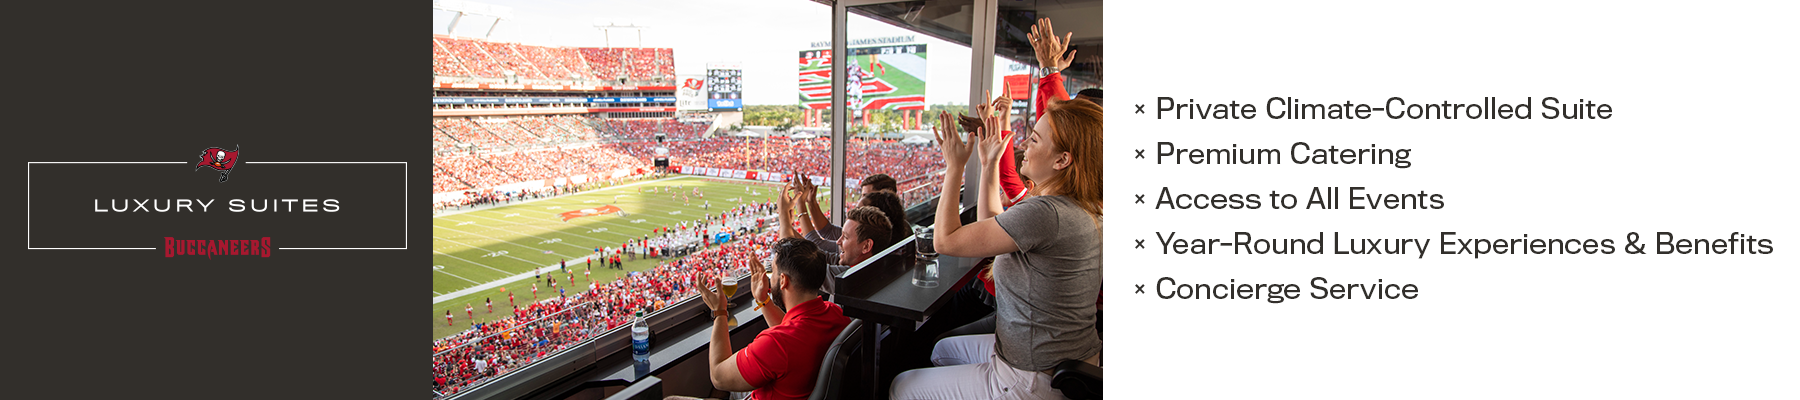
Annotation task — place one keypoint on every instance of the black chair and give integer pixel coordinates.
(837, 357)
(1077, 380)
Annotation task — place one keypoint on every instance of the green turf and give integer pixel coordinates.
(467, 246)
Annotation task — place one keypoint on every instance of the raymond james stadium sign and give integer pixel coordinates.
(870, 41)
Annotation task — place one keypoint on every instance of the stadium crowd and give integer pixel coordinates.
(910, 165)
(646, 129)
(451, 56)
(540, 328)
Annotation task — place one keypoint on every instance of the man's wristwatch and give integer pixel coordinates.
(1052, 70)
(721, 313)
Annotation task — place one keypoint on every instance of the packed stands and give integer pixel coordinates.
(556, 62)
(473, 58)
(467, 57)
(465, 130)
(508, 131)
(443, 180)
(501, 133)
(472, 169)
(507, 54)
(631, 63)
(538, 329)
(441, 142)
(912, 165)
(493, 169)
(443, 62)
(647, 128)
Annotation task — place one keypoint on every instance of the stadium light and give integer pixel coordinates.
(462, 8)
(607, 30)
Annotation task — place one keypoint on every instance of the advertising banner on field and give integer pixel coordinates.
(883, 74)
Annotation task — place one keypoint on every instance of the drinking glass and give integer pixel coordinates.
(925, 271)
(728, 287)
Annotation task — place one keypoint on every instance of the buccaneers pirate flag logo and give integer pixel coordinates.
(220, 160)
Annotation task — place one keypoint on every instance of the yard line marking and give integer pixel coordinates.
(486, 250)
(476, 263)
(493, 284)
(457, 277)
(579, 225)
(558, 240)
(533, 226)
(450, 213)
(515, 244)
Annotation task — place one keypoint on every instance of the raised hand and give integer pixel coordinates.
(787, 200)
(807, 190)
(993, 125)
(759, 280)
(713, 299)
(993, 146)
(1002, 105)
(956, 151)
(1048, 47)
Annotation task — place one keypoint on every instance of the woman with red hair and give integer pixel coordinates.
(1047, 257)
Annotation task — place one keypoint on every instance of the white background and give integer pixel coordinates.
(1701, 144)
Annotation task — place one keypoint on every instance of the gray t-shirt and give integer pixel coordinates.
(831, 277)
(826, 237)
(1045, 292)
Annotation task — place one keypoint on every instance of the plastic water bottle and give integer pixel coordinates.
(640, 339)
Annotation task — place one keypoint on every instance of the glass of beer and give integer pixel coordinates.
(728, 287)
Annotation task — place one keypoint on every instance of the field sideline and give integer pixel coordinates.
(495, 246)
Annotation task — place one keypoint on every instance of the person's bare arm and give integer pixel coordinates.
(989, 199)
(722, 364)
(786, 212)
(980, 239)
(760, 287)
(795, 181)
(814, 214)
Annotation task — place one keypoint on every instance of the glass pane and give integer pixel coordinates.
(901, 70)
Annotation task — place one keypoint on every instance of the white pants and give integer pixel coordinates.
(968, 368)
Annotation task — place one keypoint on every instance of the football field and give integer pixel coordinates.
(476, 254)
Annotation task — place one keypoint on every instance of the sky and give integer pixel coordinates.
(765, 36)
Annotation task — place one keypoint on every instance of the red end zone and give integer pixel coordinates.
(588, 212)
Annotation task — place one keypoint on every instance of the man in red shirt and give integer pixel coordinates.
(782, 362)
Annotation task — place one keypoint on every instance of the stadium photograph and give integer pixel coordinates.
(659, 200)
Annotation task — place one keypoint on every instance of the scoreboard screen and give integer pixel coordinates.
(725, 87)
